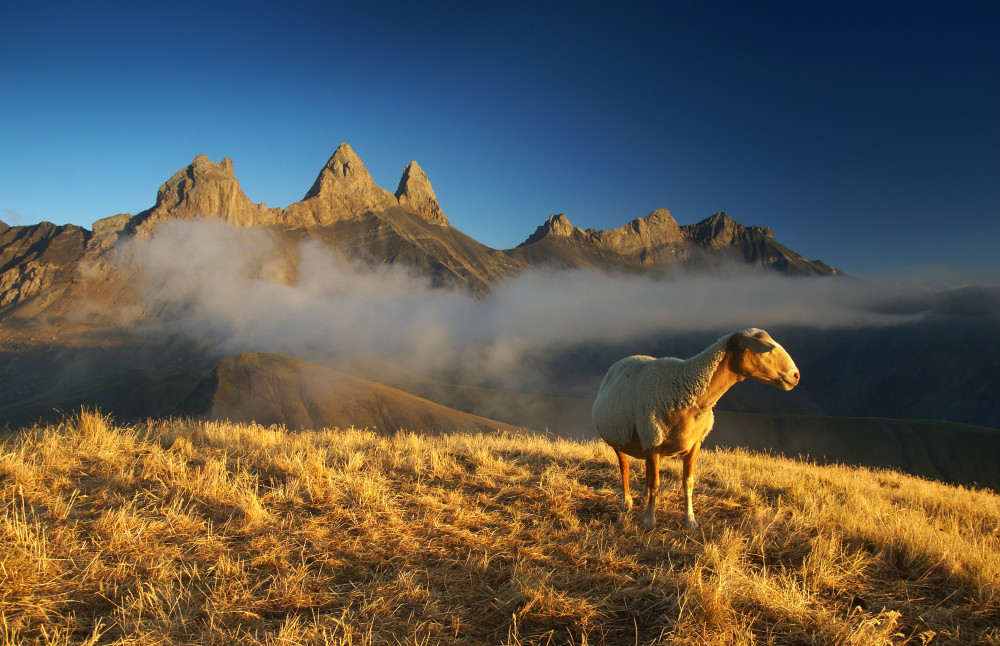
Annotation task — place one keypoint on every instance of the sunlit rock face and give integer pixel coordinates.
(656, 242)
(416, 195)
(204, 189)
(343, 190)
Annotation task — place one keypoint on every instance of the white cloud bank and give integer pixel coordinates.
(234, 289)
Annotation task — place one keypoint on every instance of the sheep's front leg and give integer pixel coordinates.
(652, 487)
(689, 458)
(626, 493)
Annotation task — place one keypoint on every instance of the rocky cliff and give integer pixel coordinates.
(344, 190)
(416, 195)
(203, 189)
(350, 212)
(33, 258)
(721, 237)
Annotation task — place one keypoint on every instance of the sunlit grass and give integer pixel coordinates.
(217, 533)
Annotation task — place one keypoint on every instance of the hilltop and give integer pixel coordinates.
(207, 533)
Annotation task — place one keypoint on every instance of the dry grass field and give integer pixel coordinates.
(187, 532)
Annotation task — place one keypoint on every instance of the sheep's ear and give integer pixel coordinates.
(754, 343)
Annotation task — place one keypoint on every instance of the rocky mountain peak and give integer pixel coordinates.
(557, 225)
(659, 227)
(346, 176)
(661, 220)
(204, 189)
(416, 195)
(343, 190)
(721, 230)
(654, 238)
(345, 162)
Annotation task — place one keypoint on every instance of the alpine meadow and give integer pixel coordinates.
(216, 533)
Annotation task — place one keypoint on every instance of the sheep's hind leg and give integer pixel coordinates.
(689, 458)
(626, 493)
(652, 486)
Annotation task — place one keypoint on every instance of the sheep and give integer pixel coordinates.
(650, 408)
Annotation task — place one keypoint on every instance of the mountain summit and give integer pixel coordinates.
(204, 188)
(343, 190)
(416, 195)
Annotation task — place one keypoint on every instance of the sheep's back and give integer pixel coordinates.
(614, 410)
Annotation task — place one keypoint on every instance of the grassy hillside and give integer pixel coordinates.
(212, 533)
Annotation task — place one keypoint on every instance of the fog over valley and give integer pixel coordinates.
(234, 288)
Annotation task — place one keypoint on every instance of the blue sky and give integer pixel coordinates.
(864, 134)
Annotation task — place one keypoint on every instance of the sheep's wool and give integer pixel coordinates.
(637, 388)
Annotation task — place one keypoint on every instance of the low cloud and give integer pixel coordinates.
(240, 290)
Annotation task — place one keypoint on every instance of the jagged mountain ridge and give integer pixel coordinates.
(657, 241)
(348, 211)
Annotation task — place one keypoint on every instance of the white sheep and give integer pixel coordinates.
(651, 408)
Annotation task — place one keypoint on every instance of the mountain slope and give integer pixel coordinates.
(950, 452)
(271, 389)
(180, 532)
(397, 236)
(36, 257)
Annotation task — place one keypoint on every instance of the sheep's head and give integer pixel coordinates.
(760, 357)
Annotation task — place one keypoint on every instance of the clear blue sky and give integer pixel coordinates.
(864, 134)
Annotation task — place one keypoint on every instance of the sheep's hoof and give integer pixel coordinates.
(690, 523)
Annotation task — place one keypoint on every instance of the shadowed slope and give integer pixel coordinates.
(397, 236)
(272, 389)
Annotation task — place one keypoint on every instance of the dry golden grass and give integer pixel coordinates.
(208, 533)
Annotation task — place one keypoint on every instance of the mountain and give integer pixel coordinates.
(203, 188)
(343, 190)
(416, 195)
(656, 242)
(346, 210)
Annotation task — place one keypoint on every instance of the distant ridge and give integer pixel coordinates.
(656, 241)
(347, 211)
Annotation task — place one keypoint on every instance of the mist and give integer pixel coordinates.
(238, 290)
